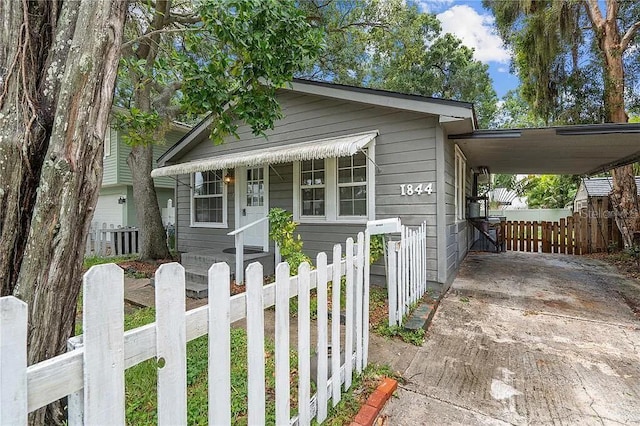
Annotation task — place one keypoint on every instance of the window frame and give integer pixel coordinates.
(223, 195)
(106, 150)
(331, 192)
(312, 186)
(460, 166)
(351, 185)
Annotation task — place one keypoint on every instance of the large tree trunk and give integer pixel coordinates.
(56, 91)
(153, 241)
(624, 196)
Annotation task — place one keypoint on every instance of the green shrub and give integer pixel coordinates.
(281, 230)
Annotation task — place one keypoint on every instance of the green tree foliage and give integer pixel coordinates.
(514, 112)
(183, 59)
(391, 45)
(576, 59)
(551, 191)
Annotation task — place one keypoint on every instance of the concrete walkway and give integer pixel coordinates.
(527, 339)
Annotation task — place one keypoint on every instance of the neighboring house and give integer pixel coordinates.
(340, 156)
(592, 197)
(115, 202)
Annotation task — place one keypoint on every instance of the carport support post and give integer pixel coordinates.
(441, 208)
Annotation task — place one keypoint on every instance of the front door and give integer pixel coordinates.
(254, 204)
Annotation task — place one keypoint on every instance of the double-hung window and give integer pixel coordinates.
(352, 185)
(208, 204)
(333, 189)
(460, 177)
(312, 188)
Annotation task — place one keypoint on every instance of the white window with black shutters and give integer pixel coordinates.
(208, 199)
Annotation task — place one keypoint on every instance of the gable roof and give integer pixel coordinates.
(452, 114)
(602, 186)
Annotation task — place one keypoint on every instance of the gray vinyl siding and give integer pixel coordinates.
(404, 153)
(124, 173)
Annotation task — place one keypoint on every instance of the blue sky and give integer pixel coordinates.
(474, 25)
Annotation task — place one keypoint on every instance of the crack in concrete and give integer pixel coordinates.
(571, 317)
(592, 399)
(461, 407)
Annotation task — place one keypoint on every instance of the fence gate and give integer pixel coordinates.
(406, 271)
(575, 234)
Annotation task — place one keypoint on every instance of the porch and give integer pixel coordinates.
(197, 264)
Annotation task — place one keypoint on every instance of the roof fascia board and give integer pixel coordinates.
(619, 163)
(187, 139)
(424, 105)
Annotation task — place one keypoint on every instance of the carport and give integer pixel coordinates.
(573, 150)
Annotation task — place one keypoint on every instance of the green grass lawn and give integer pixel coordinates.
(141, 382)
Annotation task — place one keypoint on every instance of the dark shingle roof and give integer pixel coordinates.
(601, 187)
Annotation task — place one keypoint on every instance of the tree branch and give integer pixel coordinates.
(162, 30)
(593, 10)
(187, 19)
(161, 101)
(629, 35)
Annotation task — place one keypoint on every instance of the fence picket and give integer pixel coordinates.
(348, 344)
(255, 344)
(335, 325)
(171, 332)
(101, 355)
(321, 376)
(13, 361)
(219, 363)
(283, 383)
(400, 280)
(392, 285)
(103, 326)
(365, 307)
(359, 300)
(304, 345)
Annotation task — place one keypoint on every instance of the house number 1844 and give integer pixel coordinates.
(419, 189)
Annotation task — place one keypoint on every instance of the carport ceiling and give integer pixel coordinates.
(579, 150)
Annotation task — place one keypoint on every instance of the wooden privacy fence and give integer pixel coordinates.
(406, 271)
(575, 234)
(92, 373)
(108, 240)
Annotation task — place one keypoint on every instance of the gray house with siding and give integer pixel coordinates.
(340, 156)
(115, 201)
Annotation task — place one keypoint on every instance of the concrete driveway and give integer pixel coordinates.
(527, 339)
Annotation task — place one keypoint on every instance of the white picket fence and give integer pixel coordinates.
(406, 271)
(92, 373)
(109, 240)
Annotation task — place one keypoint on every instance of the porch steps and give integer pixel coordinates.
(197, 264)
(422, 315)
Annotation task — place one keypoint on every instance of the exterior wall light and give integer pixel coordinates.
(122, 199)
(228, 178)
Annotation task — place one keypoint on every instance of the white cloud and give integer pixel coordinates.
(476, 31)
(426, 6)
